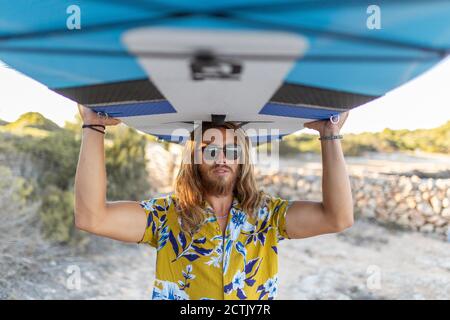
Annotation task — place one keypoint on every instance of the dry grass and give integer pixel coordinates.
(19, 237)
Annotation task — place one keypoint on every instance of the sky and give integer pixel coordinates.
(421, 103)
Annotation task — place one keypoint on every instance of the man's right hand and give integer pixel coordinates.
(90, 117)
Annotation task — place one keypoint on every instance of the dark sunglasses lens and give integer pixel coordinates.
(210, 152)
(233, 152)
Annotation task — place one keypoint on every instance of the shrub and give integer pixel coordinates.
(428, 140)
(126, 166)
(57, 217)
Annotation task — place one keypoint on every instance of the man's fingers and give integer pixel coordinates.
(113, 121)
(346, 115)
(309, 123)
(343, 118)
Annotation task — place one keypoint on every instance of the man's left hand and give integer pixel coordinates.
(326, 127)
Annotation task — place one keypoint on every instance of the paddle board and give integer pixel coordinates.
(164, 67)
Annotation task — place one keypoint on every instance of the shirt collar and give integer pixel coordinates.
(234, 205)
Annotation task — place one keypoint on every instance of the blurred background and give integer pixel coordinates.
(397, 150)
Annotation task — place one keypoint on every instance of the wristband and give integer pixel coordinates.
(91, 126)
(331, 137)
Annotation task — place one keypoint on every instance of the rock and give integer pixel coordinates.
(440, 222)
(407, 188)
(441, 230)
(411, 202)
(446, 213)
(361, 203)
(391, 203)
(380, 200)
(372, 204)
(418, 198)
(440, 195)
(426, 196)
(436, 204)
(403, 220)
(417, 219)
(401, 208)
(367, 212)
(382, 213)
(425, 209)
(432, 219)
(427, 228)
(446, 203)
(359, 195)
(422, 187)
(441, 184)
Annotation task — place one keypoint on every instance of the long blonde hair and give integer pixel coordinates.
(188, 184)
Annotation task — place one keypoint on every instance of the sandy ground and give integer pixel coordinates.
(398, 163)
(367, 261)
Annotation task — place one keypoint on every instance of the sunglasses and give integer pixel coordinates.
(231, 151)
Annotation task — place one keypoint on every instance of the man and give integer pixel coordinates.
(216, 236)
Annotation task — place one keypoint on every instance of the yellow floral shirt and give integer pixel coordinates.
(241, 265)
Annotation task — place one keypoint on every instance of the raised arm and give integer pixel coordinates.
(335, 212)
(120, 220)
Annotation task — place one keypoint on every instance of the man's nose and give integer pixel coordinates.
(221, 158)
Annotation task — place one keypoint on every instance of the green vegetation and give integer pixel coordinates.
(435, 140)
(46, 155)
(126, 166)
(33, 120)
(56, 214)
(31, 124)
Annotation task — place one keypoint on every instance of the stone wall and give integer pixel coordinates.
(409, 202)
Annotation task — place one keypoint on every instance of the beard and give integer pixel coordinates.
(217, 185)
